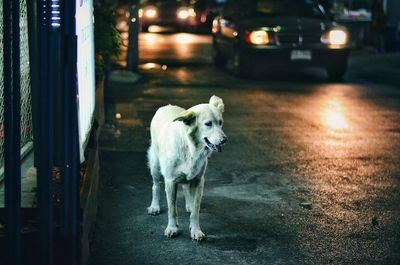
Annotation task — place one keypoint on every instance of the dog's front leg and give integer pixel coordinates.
(171, 190)
(197, 191)
(188, 197)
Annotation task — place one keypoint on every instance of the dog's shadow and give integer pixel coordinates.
(231, 225)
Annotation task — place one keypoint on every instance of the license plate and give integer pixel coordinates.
(300, 55)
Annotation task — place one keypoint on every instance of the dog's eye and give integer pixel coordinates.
(220, 123)
(208, 124)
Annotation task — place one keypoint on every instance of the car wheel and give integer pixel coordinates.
(336, 71)
(218, 59)
(237, 65)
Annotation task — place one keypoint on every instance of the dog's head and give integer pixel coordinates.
(206, 123)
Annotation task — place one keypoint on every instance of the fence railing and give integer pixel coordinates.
(52, 46)
(26, 103)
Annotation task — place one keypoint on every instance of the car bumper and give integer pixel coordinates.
(253, 56)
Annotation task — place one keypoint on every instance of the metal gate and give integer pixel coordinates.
(48, 80)
(26, 106)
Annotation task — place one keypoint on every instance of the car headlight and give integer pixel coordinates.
(215, 26)
(150, 12)
(257, 37)
(184, 13)
(335, 37)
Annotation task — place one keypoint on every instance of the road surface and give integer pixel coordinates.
(311, 173)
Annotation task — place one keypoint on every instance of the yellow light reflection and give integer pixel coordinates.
(150, 38)
(149, 66)
(183, 75)
(124, 35)
(122, 26)
(334, 116)
(184, 38)
(155, 29)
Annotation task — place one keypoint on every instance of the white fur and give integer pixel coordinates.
(179, 152)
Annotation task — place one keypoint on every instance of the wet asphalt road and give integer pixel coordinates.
(311, 174)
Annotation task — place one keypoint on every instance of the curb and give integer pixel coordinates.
(122, 76)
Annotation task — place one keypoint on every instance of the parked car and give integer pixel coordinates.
(170, 13)
(251, 34)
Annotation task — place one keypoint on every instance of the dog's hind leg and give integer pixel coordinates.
(188, 198)
(154, 166)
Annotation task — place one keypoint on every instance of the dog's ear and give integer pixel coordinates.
(218, 103)
(188, 117)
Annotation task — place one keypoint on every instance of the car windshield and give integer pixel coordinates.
(297, 8)
(288, 7)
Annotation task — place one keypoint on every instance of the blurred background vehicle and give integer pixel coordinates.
(256, 34)
(206, 11)
(177, 14)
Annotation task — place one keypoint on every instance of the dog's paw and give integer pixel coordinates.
(197, 234)
(188, 208)
(171, 231)
(153, 210)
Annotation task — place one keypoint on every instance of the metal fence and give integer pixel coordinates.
(54, 231)
(26, 109)
(1, 94)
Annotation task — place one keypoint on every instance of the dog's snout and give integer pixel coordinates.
(224, 140)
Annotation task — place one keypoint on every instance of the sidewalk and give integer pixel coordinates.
(255, 212)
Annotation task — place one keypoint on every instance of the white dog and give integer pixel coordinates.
(181, 142)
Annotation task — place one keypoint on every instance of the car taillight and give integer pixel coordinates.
(257, 37)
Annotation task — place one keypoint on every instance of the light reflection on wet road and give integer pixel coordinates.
(179, 47)
(333, 115)
(294, 138)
